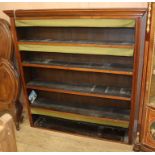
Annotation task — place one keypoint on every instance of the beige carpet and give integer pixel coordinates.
(38, 140)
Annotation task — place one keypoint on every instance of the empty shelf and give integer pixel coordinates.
(78, 127)
(113, 50)
(85, 90)
(76, 23)
(81, 42)
(112, 68)
(79, 117)
(101, 111)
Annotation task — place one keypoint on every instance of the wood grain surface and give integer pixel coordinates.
(6, 45)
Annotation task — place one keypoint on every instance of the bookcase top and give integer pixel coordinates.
(77, 12)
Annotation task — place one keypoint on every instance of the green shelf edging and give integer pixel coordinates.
(77, 117)
(77, 50)
(76, 23)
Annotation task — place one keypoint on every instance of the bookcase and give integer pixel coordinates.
(82, 68)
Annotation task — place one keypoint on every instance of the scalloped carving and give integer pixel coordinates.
(149, 128)
(8, 83)
(6, 45)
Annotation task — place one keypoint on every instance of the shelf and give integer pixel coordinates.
(111, 112)
(78, 127)
(83, 90)
(76, 48)
(79, 117)
(79, 43)
(85, 67)
(76, 23)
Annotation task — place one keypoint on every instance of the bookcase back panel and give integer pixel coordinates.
(85, 35)
(77, 78)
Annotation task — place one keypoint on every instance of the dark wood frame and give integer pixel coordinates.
(146, 110)
(138, 14)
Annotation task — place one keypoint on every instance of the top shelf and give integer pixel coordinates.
(76, 22)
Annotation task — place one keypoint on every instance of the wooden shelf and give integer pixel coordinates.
(102, 111)
(78, 127)
(83, 90)
(77, 48)
(79, 43)
(85, 22)
(78, 117)
(105, 68)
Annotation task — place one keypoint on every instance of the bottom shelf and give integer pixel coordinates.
(83, 128)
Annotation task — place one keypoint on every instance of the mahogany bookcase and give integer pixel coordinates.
(84, 66)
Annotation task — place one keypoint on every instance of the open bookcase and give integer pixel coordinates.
(83, 66)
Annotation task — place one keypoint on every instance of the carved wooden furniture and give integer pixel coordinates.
(81, 69)
(9, 81)
(6, 46)
(146, 131)
(9, 89)
(7, 134)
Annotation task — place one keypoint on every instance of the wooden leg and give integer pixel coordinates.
(16, 112)
(137, 145)
(19, 116)
(13, 113)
